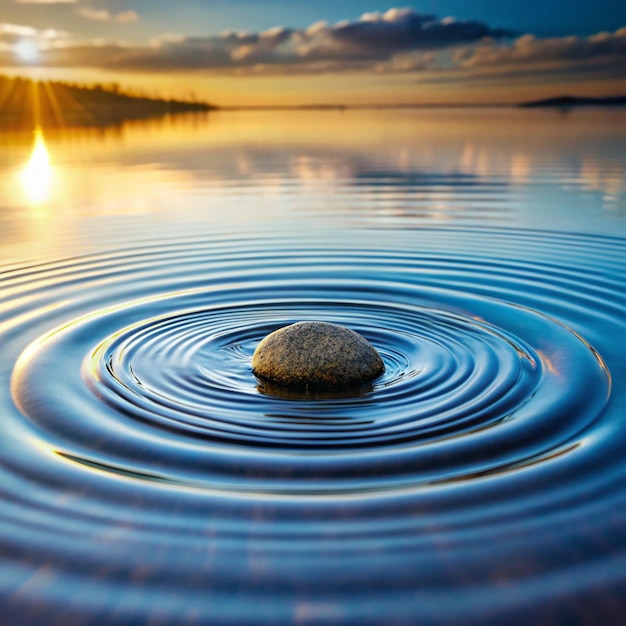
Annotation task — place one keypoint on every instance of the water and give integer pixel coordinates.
(147, 478)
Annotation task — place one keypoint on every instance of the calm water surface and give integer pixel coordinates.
(146, 478)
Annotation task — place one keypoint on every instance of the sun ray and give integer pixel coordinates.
(6, 92)
(52, 103)
(36, 102)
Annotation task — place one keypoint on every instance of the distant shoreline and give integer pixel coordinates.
(560, 102)
(557, 102)
(29, 104)
(353, 107)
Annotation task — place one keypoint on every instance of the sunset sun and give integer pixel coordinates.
(27, 51)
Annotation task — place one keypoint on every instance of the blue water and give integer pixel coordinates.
(146, 477)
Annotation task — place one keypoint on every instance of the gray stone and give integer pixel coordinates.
(316, 355)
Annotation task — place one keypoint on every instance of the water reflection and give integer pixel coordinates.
(596, 175)
(290, 393)
(146, 468)
(37, 175)
(354, 168)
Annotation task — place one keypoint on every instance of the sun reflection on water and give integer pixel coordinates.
(37, 175)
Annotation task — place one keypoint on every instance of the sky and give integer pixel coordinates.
(247, 52)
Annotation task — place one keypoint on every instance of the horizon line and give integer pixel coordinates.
(340, 106)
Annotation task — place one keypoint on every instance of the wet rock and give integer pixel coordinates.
(316, 355)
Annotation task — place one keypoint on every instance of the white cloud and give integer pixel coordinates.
(127, 17)
(11, 32)
(94, 14)
(46, 1)
(102, 15)
(17, 30)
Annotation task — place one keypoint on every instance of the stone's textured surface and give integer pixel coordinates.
(316, 355)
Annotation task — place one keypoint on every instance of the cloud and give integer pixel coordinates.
(602, 54)
(16, 30)
(10, 33)
(127, 17)
(399, 30)
(94, 14)
(46, 1)
(358, 44)
(103, 15)
(529, 49)
(391, 42)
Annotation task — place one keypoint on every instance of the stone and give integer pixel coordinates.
(316, 355)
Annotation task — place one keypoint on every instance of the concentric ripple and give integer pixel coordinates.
(148, 451)
(185, 377)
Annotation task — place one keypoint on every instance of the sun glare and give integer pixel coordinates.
(36, 175)
(27, 51)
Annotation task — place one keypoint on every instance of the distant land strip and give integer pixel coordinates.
(557, 102)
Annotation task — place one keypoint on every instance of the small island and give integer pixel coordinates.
(26, 103)
(567, 102)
